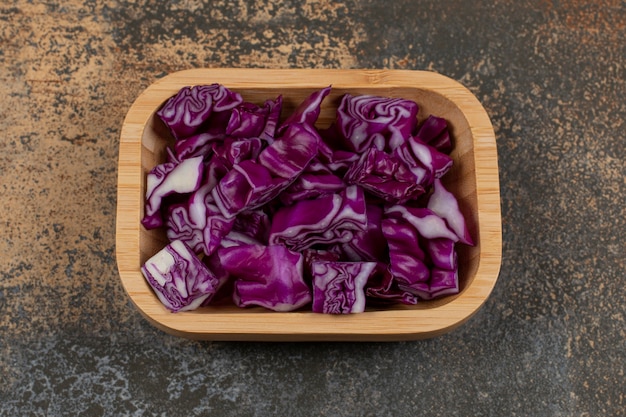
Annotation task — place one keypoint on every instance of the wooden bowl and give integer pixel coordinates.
(473, 179)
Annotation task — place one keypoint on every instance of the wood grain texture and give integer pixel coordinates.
(473, 179)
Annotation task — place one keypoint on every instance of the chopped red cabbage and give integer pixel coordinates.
(166, 179)
(442, 282)
(427, 222)
(307, 111)
(223, 294)
(247, 186)
(247, 120)
(445, 205)
(434, 132)
(442, 253)
(186, 112)
(290, 153)
(237, 238)
(368, 244)
(198, 222)
(369, 121)
(200, 144)
(254, 223)
(329, 219)
(316, 180)
(272, 120)
(407, 260)
(339, 287)
(424, 161)
(235, 150)
(286, 215)
(267, 276)
(383, 288)
(179, 278)
(384, 176)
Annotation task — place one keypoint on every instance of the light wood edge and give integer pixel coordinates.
(256, 324)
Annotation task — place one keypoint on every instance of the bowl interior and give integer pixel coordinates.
(461, 179)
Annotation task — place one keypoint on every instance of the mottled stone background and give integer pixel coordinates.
(551, 341)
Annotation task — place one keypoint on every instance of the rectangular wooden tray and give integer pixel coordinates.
(473, 179)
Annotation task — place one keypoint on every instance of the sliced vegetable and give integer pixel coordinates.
(368, 244)
(369, 121)
(424, 161)
(186, 112)
(285, 215)
(308, 111)
(407, 260)
(384, 176)
(200, 144)
(198, 222)
(442, 253)
(247, 120)
(445, 205)
(327, 220)
(267, 276)
(442, 282)
(338, 287)
(316, 180)
(247, 186)
(179, 278)
(426, 221)
(167, 179)
(383, 288)
(434, 132)
(290, 154)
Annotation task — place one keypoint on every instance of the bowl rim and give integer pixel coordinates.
(216, 323)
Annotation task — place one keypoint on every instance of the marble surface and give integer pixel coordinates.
(550, 341)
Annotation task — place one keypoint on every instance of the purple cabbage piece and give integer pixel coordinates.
(327, 220)
(338, 161)
(407, 261)
(369, 244)
(290, 154)
(442, 282)
(167, 179)
(251, 184)
(317, 255)
(233, 151)
(200, 144)
(369, 121)
(445, 205)
(254, 223)
(215, 170)
(198, 222)
(442, 253)
(434, 132)
(425, 221)
(316, 180)
(383, 288)
(267, 276)
(270, 129)
(307, 111)
(384, 176)
(179, 278)
(237, 238)
(224, 283)
(249, 120)
(424, 161)
(246, 120)
(247, 186)
(186, 112)
(339, 287)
